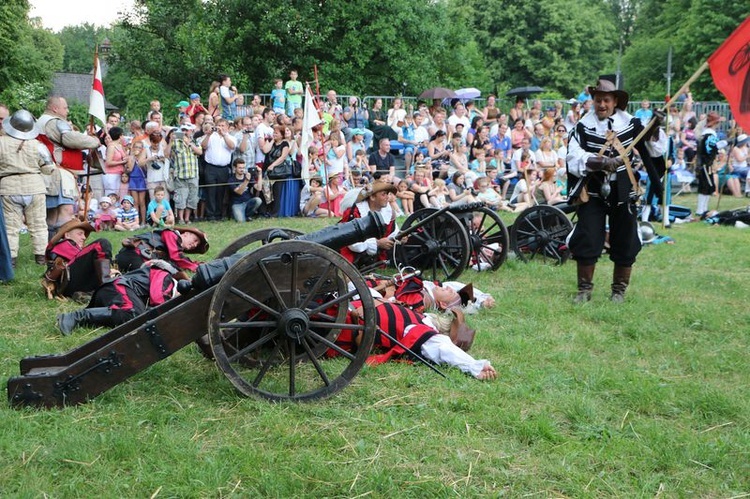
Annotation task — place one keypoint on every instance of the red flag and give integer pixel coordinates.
(730, 69)
(96, 99)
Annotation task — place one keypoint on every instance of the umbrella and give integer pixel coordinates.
(468, 93)
(524, 91)
(464, 94)
(438, 93)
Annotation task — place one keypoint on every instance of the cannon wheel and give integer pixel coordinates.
(278, 311)
(539, 233)
(490, 240)
(245, 242)
(440, 248)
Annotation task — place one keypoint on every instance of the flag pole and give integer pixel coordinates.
(87, 193)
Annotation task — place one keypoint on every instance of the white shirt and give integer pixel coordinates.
(218, 152)
(371, 245)
(261, 131)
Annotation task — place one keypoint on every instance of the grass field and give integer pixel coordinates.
(644, 399)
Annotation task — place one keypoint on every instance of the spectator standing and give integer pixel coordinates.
(644, 113)
(195, 107)
(184, 156)
(278, 97)
(229, 98)
(155, 157)
(115, 164)
(245, 138)
(707, 150)
(264, 136)
(218, 145)
(294, 92)
(137, 179)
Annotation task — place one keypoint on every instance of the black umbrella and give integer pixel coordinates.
(523, 91)
(438, 93)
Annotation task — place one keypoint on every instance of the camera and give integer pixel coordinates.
(246, 131)
(213, 129)
(179, 135)
(252, 171)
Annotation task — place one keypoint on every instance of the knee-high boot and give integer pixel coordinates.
(102, 269)
(620, 281)
(585, 282)
(98, 316)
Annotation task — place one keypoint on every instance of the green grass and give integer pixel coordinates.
(648, 398)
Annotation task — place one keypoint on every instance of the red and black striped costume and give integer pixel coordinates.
(394, 319)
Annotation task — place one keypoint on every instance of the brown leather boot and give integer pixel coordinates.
(40, 259)
(585, 283)
(52, 277)
(102, 268)
(620, 281)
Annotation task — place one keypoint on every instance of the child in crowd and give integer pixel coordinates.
(311, 198)
(278, 97)
(106, 216)
(439, 193)
(405, 197)
(360, 161)
(478, 167)
(127, 215)
(419, 161)
(159, 212)
(115, 200)
(356, 180)
(490, 197)
(314, 163)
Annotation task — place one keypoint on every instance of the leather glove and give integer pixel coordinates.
(603, 163)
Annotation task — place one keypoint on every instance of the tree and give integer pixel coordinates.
(545, 42)
(80, 42)
(28, 56)
(189, 42)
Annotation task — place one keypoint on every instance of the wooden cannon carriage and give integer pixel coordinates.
(271, 314)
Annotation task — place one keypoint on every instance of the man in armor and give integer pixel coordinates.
(604, 189)
(24, 162)
(66, 147)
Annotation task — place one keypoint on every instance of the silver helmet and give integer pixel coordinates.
(21, 125)
(648, 234)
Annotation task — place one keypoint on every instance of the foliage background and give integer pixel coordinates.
(166, 49)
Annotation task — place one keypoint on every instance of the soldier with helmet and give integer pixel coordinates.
(66, 147)
(24, 162)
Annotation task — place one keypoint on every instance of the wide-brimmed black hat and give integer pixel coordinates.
(607, 87)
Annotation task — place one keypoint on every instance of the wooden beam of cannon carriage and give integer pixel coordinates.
(271, 314)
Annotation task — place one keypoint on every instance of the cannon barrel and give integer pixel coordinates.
(335, 237)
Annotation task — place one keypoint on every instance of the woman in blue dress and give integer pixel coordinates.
(137, 182)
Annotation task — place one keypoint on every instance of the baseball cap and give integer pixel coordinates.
(182, 103)
(194, 96)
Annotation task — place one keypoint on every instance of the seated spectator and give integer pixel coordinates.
(106, 216)
(243, 202)
(551, 191)
(408, 138)
(360, 163)
(333, 195)
(489, 196)
(545, 156)
(356, 143)
(405, 197)
(525, 190)
(420, 186)
(127, 215)
(311, 198)
(381, 161)
(159, 212)
(356, 118)
(439, 195)
(457, 190)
